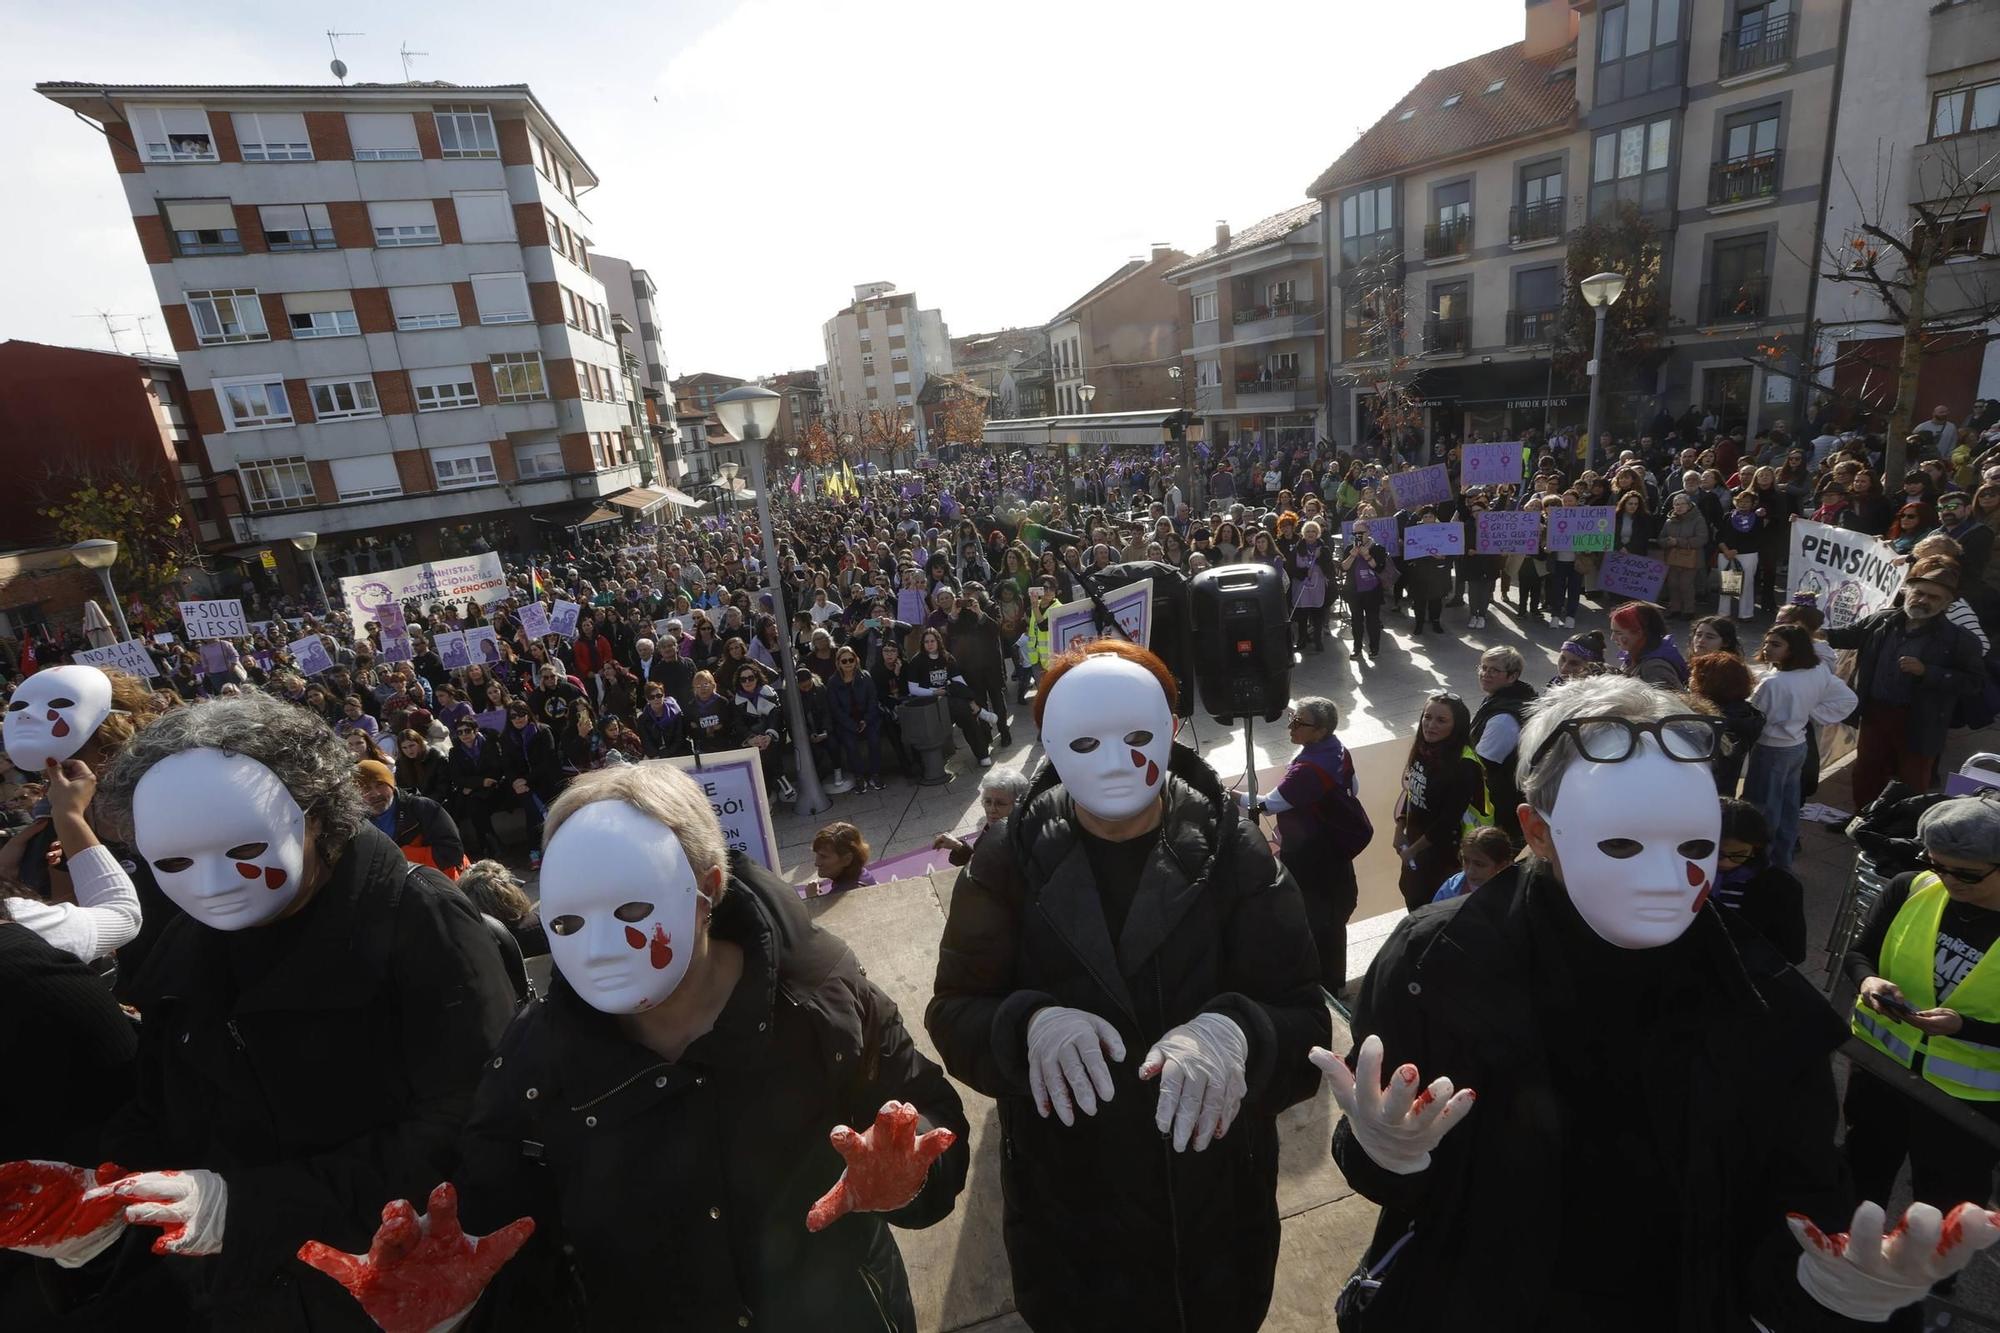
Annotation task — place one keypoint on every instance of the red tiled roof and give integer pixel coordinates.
(1273, 228)
(1540, 94)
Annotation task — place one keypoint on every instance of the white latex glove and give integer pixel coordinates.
(988, 716)
(43, 1212)
(1395, 1124)
(1200, 1067)
(1066, 1069)
(1864, 1275)
(190, 1205)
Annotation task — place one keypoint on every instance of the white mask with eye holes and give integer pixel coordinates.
(225, 840)
(618, 897)
(1636, 844)
(1109, 731)
(54, 714)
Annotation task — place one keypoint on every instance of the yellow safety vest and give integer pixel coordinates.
(1965, 1069)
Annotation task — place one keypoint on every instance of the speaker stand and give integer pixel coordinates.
(1250, 762)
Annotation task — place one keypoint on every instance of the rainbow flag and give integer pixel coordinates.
(535, 584)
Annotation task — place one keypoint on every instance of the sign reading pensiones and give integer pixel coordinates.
(1848, 575)
(733, 782)
(216, 618)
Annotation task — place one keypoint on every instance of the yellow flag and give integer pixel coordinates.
(847, 480)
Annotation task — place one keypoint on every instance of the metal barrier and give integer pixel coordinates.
(1864, 889)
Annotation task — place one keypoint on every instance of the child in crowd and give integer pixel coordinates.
(1768, 897)
(840, 854)
(1582, 655)
(1482, 853)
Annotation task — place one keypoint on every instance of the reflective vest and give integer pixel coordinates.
(1964, 1069)
(1478, 812)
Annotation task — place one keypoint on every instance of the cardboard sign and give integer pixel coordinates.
(1421, 486)
(450, 647)
(311, 655)
(1383, 530)
(221, 618)
(130, 657)
(1633, 576)
(1491, 465)
(478, 578)
(562, 620)
(910, 608)
(396, 649)
(164, 640)
(734, 785)
(1433, 539)
(392, 620)
(1848, 575)
(482, 645)
(1076, 622)
(1587, 528)
(534, 618)
(1509, 532)
(663, 630)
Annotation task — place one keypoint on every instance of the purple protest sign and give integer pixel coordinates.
(1587, 528)
(1423, 539)
(1385, 530)
(1421, 486)
(1632, 576)
(1509, 532)
(1490, 465)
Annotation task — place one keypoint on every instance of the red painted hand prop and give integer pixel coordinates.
(420, 1273)
(43, 1211)
(886, 1165)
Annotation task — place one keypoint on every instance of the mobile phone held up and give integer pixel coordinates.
(1895, 1006)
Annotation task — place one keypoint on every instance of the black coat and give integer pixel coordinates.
(675, 1193)
(534, 756)
(1735, 1066)
(1106, 1226)
(1953, 668)
(469, 771)
(423, 823)
(337, 1079)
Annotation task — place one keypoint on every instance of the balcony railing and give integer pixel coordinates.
(1743, 301)
(1536, 222)
(1446, 337)
(1744, 179)
(1275, 384)
(1274, 310)
(1529, 328)
(1445, 239)
(1758, 46)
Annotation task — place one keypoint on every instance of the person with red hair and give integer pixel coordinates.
(1126, 909)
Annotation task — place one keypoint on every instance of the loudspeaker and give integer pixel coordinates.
(1242, 642)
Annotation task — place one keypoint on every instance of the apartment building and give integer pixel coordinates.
(1254, 331)
(1012, 365)
(1120, 338)
(880, 350)
(382, 301)
(802, 402)
(632, 295)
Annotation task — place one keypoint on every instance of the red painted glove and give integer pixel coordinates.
(886, 1165)
(420, 1273)
(43, 1211)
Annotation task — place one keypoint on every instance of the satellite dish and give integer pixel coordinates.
(339, 68)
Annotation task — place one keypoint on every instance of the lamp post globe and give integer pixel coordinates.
(100, 554)
(305, 542)
(1600, 291)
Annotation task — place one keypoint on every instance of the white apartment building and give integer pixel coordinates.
(631, 293)
(879, 352)
(382, 300)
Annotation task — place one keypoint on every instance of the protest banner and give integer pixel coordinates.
(130, 657)
(1508, 532)
(311, 655)
(220, 618)
(450, 647)
(734, 784)
(562, 620)
(482, 645)
(1633, 576)
(477, 578)
(534, 618)
(1420, 486)
(1491, 465)
(1385, 531)
(1586, 528)
(1425, 539)
(165, 640)
(1847, 575)
(1076, 622)
(910, 605)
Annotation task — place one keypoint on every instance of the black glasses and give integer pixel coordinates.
(1959, 873)
(1687, 737)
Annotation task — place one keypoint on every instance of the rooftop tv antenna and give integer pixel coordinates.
(339, 66)
(409, 55)
(111, 330)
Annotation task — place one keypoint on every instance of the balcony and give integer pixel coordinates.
(1745, 180)
(1250, 314)
(1743, 301)
(1758, 46)
(1531, 328)
(1278, 393)
(1528, 224)
(1278, 319)
(1446, 337)
(1444, 240)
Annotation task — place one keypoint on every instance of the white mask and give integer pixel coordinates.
(1108, 730)
(1669, 812)
(618, 896)
(54, 714)
(225, 839)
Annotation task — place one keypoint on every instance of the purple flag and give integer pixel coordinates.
(798, 482)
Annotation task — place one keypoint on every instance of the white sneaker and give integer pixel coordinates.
(987, 762)
(786, 791)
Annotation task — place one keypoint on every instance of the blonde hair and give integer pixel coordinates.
(654, 788)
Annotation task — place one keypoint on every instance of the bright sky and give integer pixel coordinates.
(762, 157)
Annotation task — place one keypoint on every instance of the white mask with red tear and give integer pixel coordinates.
(1636, 843)
(1109, 731)
(619, 897)
(54, 714)
(225, 840)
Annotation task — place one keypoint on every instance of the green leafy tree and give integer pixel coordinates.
(139, 511)
(1623, 243)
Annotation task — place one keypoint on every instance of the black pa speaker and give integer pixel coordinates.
(1242, 642)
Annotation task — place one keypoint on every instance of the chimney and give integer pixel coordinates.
(1222, 233)
(1161, 250)
(1552, 26)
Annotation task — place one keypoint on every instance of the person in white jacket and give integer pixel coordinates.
(1796, 690)
(100, 911)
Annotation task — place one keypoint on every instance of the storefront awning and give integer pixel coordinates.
(639, 500)
(598, 517)
(1114, 429)
(675, 496)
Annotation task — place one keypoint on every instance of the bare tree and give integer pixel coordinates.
(1374, 349)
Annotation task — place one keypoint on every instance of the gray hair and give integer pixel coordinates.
(654, 788)
(299, 748)
(1507, 659)
(1965, 828)
(1316, 710)
(1010, 780)
(1593, 696)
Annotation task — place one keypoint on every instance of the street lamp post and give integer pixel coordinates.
(1188, 480)
(1602, 291)
(305, 542)
(727, 472)
(101, 554)
(1086, 392)
(749, 413)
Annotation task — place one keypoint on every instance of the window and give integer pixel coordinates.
(1538, 295)
(383, 136)
(202, 226)
(1965, 110)
(444, 388)
(1750, 134)
(502, 298)
(1204, 307)
(1409, 113)
(1451, 101)
(1283, 365)
(272, 136)
(1279, 293)
(1367, 223)
(1638, 48)
(463, 465)
(227, 316)
(333, 399)
(321, 314)
(433, 307)
(1629, 166)
(517, 376)
(466, 131)
(172, 133)
(1737, 287)
(1207, 374)
(279, 483)
(248, 404)
(411, 222)
(1957, 238)
(868, 360)
(1496, 86)
(296, 226)
(366, 478)
(538, 458)
(483, 215)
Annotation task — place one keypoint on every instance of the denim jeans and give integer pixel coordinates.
(1772, 785)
